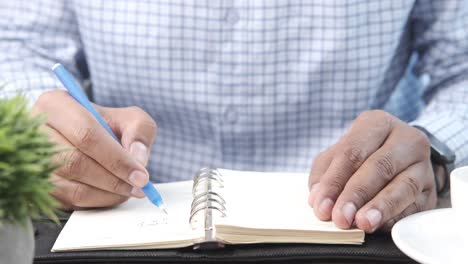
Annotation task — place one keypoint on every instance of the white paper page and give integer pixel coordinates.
(263, 200)
(135, 222)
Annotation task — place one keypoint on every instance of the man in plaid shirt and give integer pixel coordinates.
(251, 85)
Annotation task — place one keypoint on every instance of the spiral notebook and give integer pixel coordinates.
(218, 207)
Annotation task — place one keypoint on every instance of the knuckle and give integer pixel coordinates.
(361, 194)
(377, 115)
(419, 207)
(372, 114)
(116, 165)
(385, 167)
(423, 143)
(74, 164)
(364, 116)
(44, 99)
(311, 181)
(151, 125)
(144, 119)
(137, 111)
(39, 104)
(413, 186)
(323, 155)
(116, 185)
(355, 156)
(380, 115)
(85, 137)
(414, 208)
(391, 205)
(78, 195)
(333, 186)
(109, 118)
(319, 158)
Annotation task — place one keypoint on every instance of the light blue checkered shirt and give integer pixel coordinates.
(256, 85)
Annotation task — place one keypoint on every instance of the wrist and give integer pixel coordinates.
(443, 162)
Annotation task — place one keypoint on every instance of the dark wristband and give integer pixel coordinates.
(443, 156)
(442, 188)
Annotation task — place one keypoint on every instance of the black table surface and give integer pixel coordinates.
(378, 248)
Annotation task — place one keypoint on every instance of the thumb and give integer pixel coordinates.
(135, 128)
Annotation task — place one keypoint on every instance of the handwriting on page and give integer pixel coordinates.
(153, 221)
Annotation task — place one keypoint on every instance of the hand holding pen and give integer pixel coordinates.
(97, 171)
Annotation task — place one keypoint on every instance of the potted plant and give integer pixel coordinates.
(25, 166)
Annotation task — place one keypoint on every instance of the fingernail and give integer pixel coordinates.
(137, 192)
(313, 193)
(138, 178)
(139, 151)
(326, 206)
(374, 217)
(349, 210)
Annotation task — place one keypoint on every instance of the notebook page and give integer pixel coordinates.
(262, 200)
(135, 223)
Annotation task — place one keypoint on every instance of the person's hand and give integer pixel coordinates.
(377, 173)
(96, 170)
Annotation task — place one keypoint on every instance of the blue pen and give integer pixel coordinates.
(77, 93)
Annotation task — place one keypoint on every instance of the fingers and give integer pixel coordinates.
(374, 174)
(417, 206)
(136, 127)
(366, 135)
(75, 195)
(319, 166)
(400, 193)
(76, 166)
(82, 130)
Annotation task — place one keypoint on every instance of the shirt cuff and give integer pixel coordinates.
(450, 129)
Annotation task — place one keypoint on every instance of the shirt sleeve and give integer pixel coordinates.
(34, 35)
(440, 38)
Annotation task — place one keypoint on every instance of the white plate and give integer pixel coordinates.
(431, 237)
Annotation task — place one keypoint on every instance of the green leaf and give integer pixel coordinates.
(25, 164)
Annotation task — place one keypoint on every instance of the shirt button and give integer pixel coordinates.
(232, 16)
(230, 115)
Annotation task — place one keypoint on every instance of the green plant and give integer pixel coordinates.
(25, 164)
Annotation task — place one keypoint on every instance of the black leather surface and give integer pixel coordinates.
(378, 248)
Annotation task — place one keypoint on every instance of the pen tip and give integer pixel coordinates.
(163, 208)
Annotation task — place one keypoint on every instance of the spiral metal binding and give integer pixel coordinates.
(207, 200)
